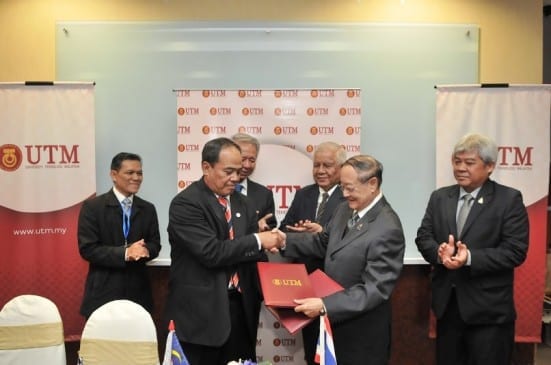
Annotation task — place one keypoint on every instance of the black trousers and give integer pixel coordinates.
(310, 334)
(459, 343)
(239, 345)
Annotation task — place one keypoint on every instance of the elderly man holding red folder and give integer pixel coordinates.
(363, 248)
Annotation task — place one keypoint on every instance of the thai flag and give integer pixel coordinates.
(325, 350)
(174, 354)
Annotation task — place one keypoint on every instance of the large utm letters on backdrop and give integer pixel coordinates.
(517, 118)
(47, 168)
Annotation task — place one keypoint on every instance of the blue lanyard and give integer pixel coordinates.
(125, 225)
(126, 221)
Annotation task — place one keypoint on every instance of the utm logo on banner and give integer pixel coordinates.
(38, 156)
(11, 157)
(515, 157)
(47, 168)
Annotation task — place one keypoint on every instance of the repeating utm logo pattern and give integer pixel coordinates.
(297, 118)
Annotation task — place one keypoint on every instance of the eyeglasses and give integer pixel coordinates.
(348, 189)
(352, 187)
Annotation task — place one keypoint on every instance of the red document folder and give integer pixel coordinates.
(321, 285)
(282, 283)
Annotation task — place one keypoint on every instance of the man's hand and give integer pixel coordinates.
(262, 222)
(137, 251)
(446, 249)
(272, 240)
(460, 258)
(311, 307)
(305, 226)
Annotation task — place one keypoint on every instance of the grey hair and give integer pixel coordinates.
(367, 167)
(340, 152)
(474, 142)
(246, 138)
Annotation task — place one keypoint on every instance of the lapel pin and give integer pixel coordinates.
(481, 200)
(238, 214)
(359, 226)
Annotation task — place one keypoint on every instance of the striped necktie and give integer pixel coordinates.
(321, 208)
(234, 278)
(227, 212)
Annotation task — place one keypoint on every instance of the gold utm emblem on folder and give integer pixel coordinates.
(286, 282)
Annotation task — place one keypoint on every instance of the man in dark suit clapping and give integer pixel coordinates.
(474, 234)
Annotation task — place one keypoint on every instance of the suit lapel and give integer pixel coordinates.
(484, 197)
(214, 205)
(334, 200)
(312, 202)
(451, 209)
(238, 215)
(359, 229)
(337, 240)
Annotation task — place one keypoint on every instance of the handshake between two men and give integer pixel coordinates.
(272, 240)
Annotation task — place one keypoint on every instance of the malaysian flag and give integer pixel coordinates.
(174, 354)
(325, 349)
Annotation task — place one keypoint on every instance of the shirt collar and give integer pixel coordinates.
(330, 191)
(244, 185)
(473, 193)
(363, 212)
(120, 196)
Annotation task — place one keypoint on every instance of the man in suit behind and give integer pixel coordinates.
(216, 317)
(363, 249)
(117, 246)
(261, 197)
(305, 214)
(473, 267)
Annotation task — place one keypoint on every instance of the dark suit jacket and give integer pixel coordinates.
(304, 207)
(101, 243)
(262, 199)
(366, 262)
(496, 233)
(203, 258)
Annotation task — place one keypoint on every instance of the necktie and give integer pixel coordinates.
(322, 205)
(238, 188)
(126, 209)
(464, 212)
(352, 221)
(234, 278)
(227, 212)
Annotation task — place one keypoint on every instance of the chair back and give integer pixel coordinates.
(31, 332)
(120, 332)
